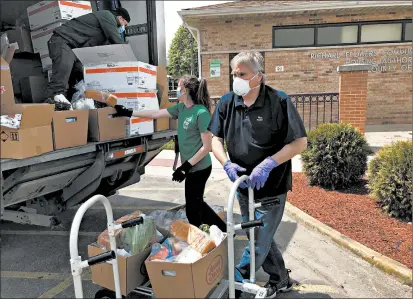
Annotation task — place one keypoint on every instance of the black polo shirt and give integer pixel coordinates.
(257, 132)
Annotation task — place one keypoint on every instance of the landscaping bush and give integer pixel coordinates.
(336, 156)
(390, 179)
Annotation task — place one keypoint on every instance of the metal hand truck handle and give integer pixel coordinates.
(251, 224)
(76, 262)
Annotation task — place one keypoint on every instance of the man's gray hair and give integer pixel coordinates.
(253, 59)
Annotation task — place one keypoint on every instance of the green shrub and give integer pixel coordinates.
(336, 156)
(390, 179)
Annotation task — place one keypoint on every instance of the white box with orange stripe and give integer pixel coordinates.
(138, 101)
(115, 67)
(41, 36)
(47, 12)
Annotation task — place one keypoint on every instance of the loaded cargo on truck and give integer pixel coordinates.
(56, 161)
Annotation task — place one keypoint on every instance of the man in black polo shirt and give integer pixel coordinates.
(263, 132)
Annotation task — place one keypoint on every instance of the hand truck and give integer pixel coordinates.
(76, 262)
(248, 286)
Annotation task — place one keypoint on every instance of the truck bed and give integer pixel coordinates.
(7, 164)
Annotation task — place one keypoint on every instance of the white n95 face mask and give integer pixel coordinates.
(242, 87)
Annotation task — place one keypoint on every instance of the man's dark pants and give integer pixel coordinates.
(66, 68)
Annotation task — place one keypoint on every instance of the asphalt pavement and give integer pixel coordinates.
(35, 261)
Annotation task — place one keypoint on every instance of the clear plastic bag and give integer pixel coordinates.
(168, 250)
(79, 101)
(137, 238)
(163, 218)
(181, 215)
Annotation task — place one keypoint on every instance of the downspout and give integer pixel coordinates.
(199, 47)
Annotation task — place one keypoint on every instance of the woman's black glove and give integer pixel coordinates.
(181, 172)
(122, 111)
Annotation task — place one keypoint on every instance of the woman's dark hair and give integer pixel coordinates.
(197, 89)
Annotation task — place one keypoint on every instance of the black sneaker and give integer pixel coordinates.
(283, 286)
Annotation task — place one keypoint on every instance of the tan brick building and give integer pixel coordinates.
(303, 43)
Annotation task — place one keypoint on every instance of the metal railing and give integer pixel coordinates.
(314, 108)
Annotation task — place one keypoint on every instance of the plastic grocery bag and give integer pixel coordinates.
(216, 235)
(181, 215)
(163, 218)
(137, 238)
(79, 101)
(195, 237)
(168, 250)
(103, 239)
(188, 255)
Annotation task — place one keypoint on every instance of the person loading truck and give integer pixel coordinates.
(94, 29)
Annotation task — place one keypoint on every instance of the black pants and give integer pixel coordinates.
(66, 68)
(198, 211)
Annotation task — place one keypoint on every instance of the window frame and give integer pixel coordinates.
(343, 24)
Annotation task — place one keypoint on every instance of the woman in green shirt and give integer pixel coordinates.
(193, 116)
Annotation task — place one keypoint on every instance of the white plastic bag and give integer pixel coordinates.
(11, 121)
(79, 101)
(216, 235)
(188, 255)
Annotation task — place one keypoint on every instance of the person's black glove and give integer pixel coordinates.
(122, 111)
(181, 172)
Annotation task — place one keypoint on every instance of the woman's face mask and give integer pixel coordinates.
(242, 87)
(122, 29)
(179, 93)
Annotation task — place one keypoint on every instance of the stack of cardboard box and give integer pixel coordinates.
(46, 16)
(42, 129)
(115, 69)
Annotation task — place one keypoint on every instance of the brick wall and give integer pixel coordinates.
(353, 94)
(389, 86)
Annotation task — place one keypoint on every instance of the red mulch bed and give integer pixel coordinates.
(355, 214)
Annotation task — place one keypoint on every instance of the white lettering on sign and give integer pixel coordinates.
(130, 151)
(385, 61)
(279, 68)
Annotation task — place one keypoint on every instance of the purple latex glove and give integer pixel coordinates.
(232, 170)
(260, 173)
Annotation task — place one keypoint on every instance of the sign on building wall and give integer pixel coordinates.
(215, 68)
(381, 60)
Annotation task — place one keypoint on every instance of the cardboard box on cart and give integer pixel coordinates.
(132, 271)
(115, 67)
(195, 280)
(48, 12)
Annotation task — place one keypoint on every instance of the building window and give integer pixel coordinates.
(293, 37)
(335, 35)
(408, 32)
(368, 32)
(381, 33)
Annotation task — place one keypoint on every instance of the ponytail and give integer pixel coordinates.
(203, 94)
(198, 90)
